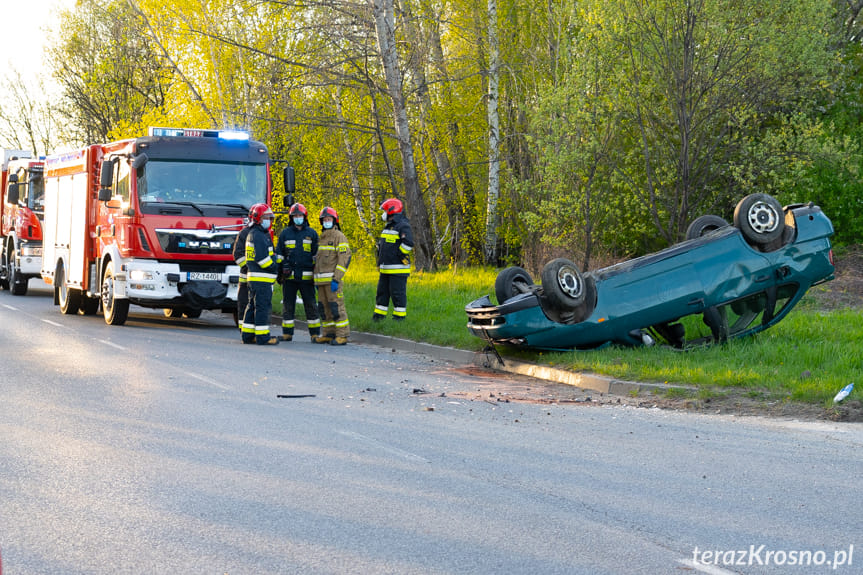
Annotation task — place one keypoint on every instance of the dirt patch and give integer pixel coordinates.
(494, 387)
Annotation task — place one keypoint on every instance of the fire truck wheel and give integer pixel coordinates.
(69, 298)
(17, 282)
(89, 305)
(115, 310)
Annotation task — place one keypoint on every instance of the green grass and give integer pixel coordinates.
(807, 357)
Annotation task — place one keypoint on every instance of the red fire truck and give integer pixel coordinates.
(21, 195)
(150, 221)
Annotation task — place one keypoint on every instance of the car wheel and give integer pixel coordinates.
(510, 282)
(69, 298)
(760, 219)
(563, 285)
(115, 310)
(173, 312)
(704, 225)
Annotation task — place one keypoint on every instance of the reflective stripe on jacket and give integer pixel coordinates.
(297, 249)
(334, 256)
(395, 246)
(261, 258)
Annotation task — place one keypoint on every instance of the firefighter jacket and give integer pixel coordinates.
(395, 246)
(260, 256)
(297, 249)
(240, 251)
(334, 256)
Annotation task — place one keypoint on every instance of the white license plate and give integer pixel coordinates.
(204, 276)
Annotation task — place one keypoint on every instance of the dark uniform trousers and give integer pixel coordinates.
(289, 304)
(258, 311)
(395, 286)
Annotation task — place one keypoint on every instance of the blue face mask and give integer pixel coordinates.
(299, 221)
(328, 225)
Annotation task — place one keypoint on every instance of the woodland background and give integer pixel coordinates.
(514, 130)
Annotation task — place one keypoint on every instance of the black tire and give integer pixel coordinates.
(69, 298)
(89, 305)
(563, 285)
(115, 310)
(173, 312)
(510, 282)
(760, 219)
(191, 313)
(704, 225)
(4, 270)
(17, 282)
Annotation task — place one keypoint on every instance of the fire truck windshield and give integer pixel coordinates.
(168, 186)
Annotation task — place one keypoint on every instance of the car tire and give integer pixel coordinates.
(510, 282)
(173, 312)
(563, 285)
(191, 313)
(704, 225)
(760, 219)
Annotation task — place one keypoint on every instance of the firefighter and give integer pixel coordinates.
(395, 246)
(263, 269)
(334, 256)
(297, 247)
(240, 258)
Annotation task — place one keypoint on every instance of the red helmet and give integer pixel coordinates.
(392, 206)
(260, 212)
(300, 209)
(328, 211)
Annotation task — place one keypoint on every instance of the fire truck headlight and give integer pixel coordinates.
(31, 251)
(139, 275)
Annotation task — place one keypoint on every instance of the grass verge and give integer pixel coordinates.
(807, 357)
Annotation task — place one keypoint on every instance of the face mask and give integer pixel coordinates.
(299, 221)
(384, 216)
(328, 225)
(266, 224)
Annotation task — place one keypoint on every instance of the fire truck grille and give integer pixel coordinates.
(196, 242)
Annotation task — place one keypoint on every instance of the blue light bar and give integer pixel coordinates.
(233, 135)
(196, 133)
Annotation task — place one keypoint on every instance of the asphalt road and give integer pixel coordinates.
(162, 447)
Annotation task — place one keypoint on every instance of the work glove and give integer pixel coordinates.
(334, 286)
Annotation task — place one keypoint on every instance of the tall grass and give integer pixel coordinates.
(807, 357)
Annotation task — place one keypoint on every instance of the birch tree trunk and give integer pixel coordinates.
(385, 27)
(493, 137)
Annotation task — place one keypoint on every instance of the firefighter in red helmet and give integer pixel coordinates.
(263, 267)
(297, 247)
(395, 247)
(334, 256)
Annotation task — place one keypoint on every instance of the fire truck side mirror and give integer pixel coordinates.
(106, 180)
(12, 192)
(290, 186)
(139, 161)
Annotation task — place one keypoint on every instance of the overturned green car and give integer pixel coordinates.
(734, 280)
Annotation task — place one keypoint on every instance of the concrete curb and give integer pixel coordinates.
(589, 381)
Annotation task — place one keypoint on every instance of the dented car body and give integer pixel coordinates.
(734, 280)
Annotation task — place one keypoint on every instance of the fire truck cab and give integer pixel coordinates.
(22, 193)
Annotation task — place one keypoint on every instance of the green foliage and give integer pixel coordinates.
(621, 120)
